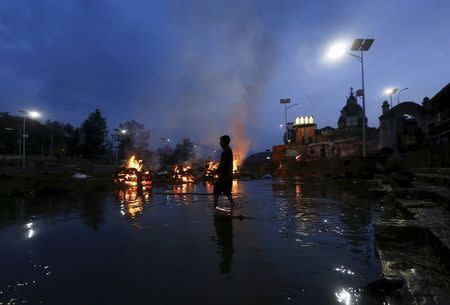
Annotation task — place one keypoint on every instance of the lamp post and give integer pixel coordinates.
(162, 150)
(286, 101)
(390, 92)
(121, 132)
(398, 95)
(31, 114)
(360, 45)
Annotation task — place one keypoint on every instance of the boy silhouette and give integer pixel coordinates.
(224, 181)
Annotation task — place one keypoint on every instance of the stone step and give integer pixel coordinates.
(434, 179)
(433, 170)
(425, 191)
(413, 253)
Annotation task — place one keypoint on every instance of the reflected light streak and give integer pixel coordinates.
(344, 297)
(343, 270)
(30, 233)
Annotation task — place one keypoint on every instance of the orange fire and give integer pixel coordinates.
(134, 163)
(235, 165)
(132, 174)
(183, 174)
(211, 168)
(132, 201)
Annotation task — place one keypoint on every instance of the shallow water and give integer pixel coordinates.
(310, 242)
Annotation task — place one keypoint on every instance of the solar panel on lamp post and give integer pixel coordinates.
(362, 45)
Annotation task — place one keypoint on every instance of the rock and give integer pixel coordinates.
(387, 284)
(79, 176)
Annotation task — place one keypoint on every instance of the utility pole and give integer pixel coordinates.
(23, 141)
(285, 101)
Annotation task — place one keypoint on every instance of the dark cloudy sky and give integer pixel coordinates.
(203, 68)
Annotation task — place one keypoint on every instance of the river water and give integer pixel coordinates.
(304, 242)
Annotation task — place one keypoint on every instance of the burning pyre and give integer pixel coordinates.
(183, 174)
(132, 174)
(210, 170)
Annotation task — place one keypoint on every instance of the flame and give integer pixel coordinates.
(239, 139)
(236, 163)
(211, 168)
(134, 163)
(132, 174)
(183, 174)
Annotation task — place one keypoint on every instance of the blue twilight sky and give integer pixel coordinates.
(203, 68)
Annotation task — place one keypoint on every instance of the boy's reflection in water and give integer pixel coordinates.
(224, 232)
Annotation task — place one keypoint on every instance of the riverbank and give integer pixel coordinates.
(35, 181)
(413, 238)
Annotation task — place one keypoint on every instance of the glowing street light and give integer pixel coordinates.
(34, 115)
(123, 131)
(337, 50)
(390, 92)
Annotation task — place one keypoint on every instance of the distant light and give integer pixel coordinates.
(29, 225)
(168, 140)
(281, 125)
(34, 114)
(30, 233)
(390, 91)
(123, 131)
(337, 50)
(268, 158)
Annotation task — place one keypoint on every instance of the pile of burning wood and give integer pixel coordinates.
(210, 170)
(183, 174)
(132, 174)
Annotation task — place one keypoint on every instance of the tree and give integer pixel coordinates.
(10, 133)
(73, 140)
(94, 135)
(184, 151)
(166, 155)
(134, 140)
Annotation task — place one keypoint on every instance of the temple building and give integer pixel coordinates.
(351, 114)
(408, 125)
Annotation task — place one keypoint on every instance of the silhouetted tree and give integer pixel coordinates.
(94, 135)
(184, 151)
(135, 140)
(73, 136)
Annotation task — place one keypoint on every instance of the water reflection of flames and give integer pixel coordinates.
(183, 174)
(132, 200)
(235, 187)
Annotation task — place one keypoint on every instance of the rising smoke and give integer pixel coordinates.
(195, 69)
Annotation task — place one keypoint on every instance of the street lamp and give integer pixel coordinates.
(390, 92)
(33, 115)
(286, 101)
(120, 132)
(162, 150)
(398, 95)
(338, 50)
